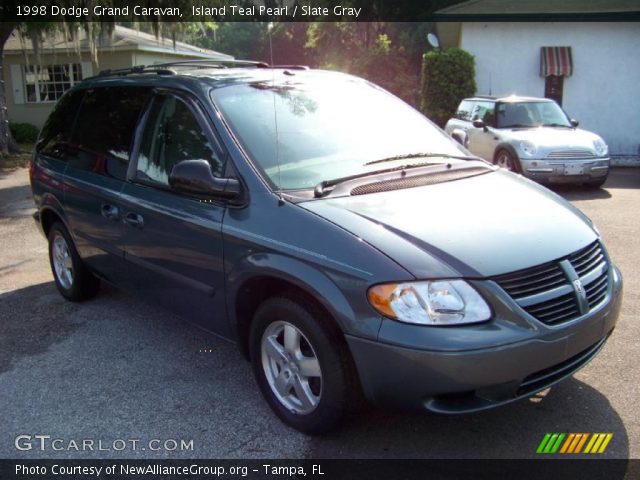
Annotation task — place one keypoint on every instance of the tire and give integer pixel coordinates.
(505, 159)
(316, 378)
(596, 183)
(73, 280)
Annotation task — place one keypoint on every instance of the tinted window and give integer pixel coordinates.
(57, 129)
(172, 134)
(105, 129)
(464, 110)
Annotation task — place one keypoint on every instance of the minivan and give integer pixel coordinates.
(347, 245)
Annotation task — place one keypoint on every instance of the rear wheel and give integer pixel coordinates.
(506, 160)
(74, 281)
(301, 366)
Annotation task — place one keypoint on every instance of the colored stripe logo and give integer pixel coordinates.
(574, 443)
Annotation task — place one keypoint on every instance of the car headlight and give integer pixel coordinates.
(528, 147)
(601, 148)
(438, 302)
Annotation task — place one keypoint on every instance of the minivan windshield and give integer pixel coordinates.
(531, 114)
(301, 133)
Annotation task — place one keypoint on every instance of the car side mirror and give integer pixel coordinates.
(574, 122)
(196, 177)
(480, 124)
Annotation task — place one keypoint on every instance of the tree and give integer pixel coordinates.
(448, 76)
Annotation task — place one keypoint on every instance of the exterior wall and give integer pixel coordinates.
(150, 58)
(604, 91)
(37, 113)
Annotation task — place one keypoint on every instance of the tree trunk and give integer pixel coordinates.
(7, 143)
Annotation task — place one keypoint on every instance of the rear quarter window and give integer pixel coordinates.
(105, 128)
(56, 132)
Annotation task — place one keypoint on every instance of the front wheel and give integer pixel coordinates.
(301, 366)
(506, 160)
(596, 183)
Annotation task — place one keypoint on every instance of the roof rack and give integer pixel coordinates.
(163, 68)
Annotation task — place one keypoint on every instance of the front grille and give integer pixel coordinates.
(548, 293)
(570, 155)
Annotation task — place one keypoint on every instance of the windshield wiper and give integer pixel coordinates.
(324, 187)
(517, 125)
(420, 155)
(556, 125)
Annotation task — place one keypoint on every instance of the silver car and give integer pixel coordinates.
(531, 136)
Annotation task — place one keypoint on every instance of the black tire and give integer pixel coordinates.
(596, 183)
(83, 284)
(504, 158)
(338, 385)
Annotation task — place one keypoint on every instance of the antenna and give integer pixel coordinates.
(275, 115)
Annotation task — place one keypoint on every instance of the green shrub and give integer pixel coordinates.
(448, 76)
(24, 132)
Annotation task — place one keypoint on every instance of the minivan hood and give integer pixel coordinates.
(475, 227)
(566, 138)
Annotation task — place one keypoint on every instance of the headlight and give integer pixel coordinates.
(439, 302)
(601, 147)
(528, 147)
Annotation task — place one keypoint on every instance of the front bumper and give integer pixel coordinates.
(522, 361)
(565, 171)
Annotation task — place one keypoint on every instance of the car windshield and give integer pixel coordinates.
(531, 114)
(303, 133)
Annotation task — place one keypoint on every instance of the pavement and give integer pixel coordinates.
(116, 371)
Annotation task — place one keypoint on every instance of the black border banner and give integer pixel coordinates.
(538, 469)
(284, 11)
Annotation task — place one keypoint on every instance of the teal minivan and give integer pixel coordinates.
(346, 244)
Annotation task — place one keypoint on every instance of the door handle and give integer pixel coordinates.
(110, 212)
(134, 219)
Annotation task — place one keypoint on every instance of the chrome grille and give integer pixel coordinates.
(546, 292)
(570, 155)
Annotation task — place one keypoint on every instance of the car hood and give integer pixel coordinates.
(475, 227)
(553, 137)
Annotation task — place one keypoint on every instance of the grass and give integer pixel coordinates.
(17, 160)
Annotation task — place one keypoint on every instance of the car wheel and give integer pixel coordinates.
(596, 183)
(302, 367)
(506, 160)
(74, 281)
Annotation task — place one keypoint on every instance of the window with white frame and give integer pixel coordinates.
(47, 83)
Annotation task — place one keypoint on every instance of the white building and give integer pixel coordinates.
(597, 78)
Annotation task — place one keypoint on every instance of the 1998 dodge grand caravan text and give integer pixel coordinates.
(342, 240)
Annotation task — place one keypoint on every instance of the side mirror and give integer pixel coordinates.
(195, 177)
(574, 122)
(480, 124)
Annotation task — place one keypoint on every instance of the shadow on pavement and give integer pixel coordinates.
(43, 326)
(511, 431)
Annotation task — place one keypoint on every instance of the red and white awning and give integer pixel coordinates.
(556, 61)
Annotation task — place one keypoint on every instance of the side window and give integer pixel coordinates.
(105, 128)
(56, 131)
(172, 134)
(464, 110)
(485, 111)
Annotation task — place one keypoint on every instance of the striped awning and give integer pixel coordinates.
(556, 61)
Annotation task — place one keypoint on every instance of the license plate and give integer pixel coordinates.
(573, 169)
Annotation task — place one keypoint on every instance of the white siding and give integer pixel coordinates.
(604, 91)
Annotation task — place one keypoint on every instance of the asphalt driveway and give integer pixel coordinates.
(116, 368)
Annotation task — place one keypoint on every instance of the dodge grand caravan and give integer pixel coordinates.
(345, 243)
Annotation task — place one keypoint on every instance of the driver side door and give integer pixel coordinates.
(174, 241)
(483, 143)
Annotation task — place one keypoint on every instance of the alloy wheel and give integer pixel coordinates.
(291, 367)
